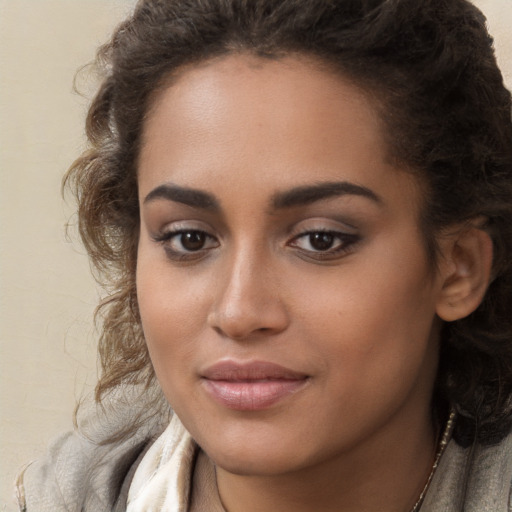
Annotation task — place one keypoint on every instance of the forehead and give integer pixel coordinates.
(296, 95)
(287, 121)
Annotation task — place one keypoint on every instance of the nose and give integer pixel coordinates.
(248, 301)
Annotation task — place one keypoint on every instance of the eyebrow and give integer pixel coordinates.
(188, 196)
(308, 194)
(297, 196)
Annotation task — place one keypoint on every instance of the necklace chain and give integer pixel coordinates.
(445, 438)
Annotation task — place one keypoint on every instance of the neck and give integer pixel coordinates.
(387, 473)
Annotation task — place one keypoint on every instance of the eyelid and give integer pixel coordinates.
(323, 224)
(181, 225)
(346, 245)
(169, 237)
(348, 237)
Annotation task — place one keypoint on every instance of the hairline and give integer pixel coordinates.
(325, 64)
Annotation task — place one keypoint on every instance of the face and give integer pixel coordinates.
(282, 279)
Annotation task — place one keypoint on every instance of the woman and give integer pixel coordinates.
(302, 212)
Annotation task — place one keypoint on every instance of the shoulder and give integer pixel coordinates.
(473, 479)
(76, 473)
(84, 470)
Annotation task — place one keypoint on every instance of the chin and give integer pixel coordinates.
(257, 454)
(255, 462)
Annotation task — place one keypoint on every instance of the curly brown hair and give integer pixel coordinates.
(431, 68)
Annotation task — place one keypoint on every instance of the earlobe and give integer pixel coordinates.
(466, 272)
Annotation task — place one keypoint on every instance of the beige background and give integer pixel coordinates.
(47, 296)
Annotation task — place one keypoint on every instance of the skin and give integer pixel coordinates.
(358, 319)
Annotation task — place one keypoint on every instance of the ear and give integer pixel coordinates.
(465, 271)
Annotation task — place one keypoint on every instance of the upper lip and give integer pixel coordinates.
(230, 370)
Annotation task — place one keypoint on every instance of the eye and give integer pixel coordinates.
(324, 244)
(191, 240)
(322, 240)
(184, 244)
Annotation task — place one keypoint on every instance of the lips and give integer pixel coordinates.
(251, 386)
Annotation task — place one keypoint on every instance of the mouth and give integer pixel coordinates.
(251, 386)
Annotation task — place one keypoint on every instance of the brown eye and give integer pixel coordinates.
(321, 241)
(324, 245)
(193, 240)
(186, 244)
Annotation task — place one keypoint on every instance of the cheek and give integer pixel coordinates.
(375, 320)
(171, 310)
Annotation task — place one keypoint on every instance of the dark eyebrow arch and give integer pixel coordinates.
(188, 196)
(308, 194)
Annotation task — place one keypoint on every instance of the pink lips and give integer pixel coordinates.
(250, 386)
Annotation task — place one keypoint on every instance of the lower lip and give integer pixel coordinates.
(251, 395)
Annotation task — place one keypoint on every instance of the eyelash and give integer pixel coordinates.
(345, 244)
(168, 237)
